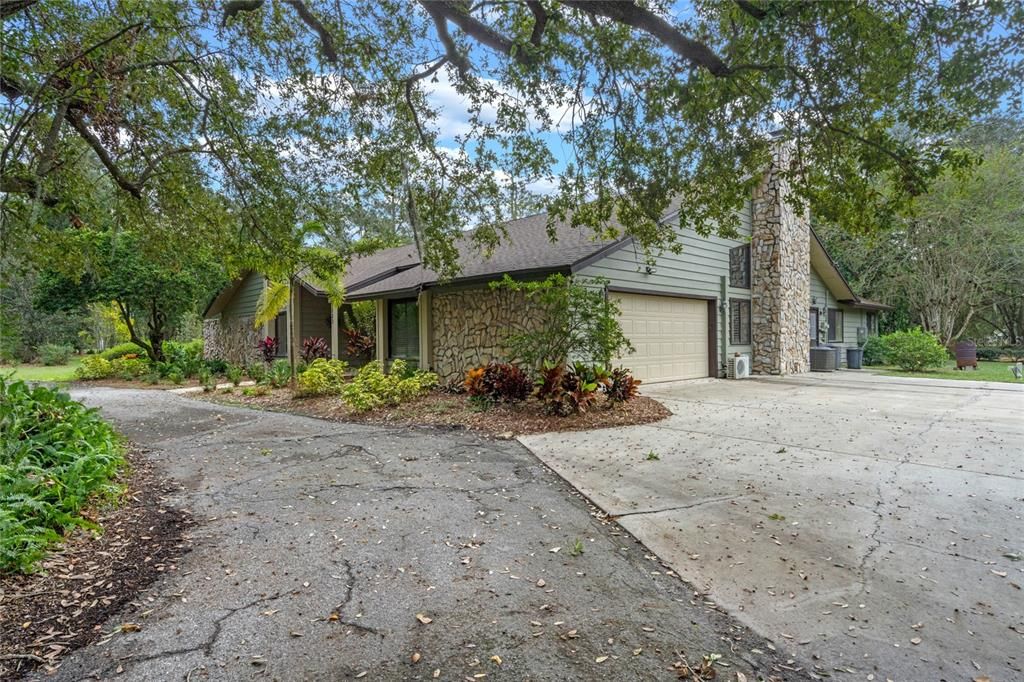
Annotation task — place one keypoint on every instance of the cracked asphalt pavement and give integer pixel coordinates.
(872, 523)
(317, 544)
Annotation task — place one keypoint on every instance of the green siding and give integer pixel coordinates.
(697, 270)
(315, 318)
(852, 317)
(243, 303)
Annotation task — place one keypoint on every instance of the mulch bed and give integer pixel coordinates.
(88, 578)
(453, 410)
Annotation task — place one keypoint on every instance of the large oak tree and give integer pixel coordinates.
(284, 108)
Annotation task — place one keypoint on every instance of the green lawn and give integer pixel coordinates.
(987, 371)
(42, 372)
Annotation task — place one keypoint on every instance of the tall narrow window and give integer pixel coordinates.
(872, 323)
(739, 321)
(835, 324)
(739, 267)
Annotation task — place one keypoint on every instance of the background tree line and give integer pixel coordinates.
(955, 265)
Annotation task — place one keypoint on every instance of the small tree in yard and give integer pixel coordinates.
(157, 290)
(914, 350)
(578, 322)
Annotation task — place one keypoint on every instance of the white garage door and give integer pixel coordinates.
(670, 336)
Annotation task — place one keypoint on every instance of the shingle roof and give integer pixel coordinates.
(526, 248)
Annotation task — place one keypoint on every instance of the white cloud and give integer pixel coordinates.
(453, 108)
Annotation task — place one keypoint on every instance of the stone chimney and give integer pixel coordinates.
(780, 262)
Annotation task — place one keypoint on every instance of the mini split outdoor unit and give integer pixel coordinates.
(739, 367)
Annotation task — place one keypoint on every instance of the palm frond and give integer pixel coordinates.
(272, 301)
(333, 287)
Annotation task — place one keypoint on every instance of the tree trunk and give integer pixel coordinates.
(126, 317)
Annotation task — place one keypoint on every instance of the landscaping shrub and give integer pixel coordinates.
(323, 377)
(233, 374)
(989, 353)
(259, 390)
(567, 390)
(205, 377)
(914, 350)
(51, 354)
(175, 376)
(621, 386)
(186, 358)
(56, 457)
(576, 320)
(94, 367)
(313, 348)
(372, 388)
(874, 351)
(216, 367)
(498, 382)
(128, 367)
(267, 348)
(358, 344)
(257, 372)
(121, 349)
(280, 374)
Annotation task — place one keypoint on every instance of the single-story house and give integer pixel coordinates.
(771, 293)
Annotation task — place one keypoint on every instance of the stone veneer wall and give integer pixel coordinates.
(780, 275)
(232, 340)
(469, 328)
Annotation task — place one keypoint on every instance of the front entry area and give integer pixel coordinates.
(670, 335)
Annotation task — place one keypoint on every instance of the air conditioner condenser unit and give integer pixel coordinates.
(738, 367)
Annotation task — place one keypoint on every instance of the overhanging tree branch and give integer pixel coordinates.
(631, 14)
(326, 39)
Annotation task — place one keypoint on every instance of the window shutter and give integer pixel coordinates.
(739, 266)
(739, 322)
(735, 324)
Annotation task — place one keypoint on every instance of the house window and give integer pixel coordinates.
(739, 321)
(835, 324)
(281, 334)
(872, 323)
(739, 267)
(813, 324)
(403, 329)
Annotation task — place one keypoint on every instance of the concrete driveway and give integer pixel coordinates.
(873, 524)
(317, 544)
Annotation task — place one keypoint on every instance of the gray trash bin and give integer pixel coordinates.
(854, 358)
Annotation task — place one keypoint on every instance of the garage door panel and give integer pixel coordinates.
(669, 335)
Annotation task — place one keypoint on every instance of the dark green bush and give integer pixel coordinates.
(186, 358)
(51, 354)
(233, 374)
(989, 353)
(914, 350)
(216, 366)
(874, 351)
(122, 349)
(56, 457)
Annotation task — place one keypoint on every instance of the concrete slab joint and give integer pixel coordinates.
(780, 273)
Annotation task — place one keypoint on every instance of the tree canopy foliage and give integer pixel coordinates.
(956, 265)
(249, 121)
(156, 290)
